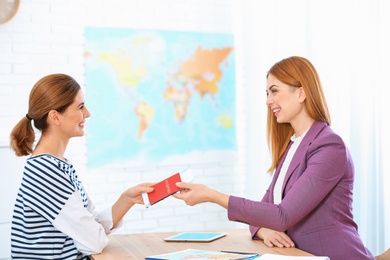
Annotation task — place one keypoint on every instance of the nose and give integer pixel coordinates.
(86, 112)
(269, 100)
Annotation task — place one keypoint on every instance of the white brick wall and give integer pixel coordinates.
(46, 36)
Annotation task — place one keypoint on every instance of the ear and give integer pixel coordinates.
(302, 95)
(53, 117)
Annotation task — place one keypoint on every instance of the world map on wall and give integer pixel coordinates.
(155, 94)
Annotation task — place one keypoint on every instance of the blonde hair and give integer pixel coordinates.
(52, 92)
(296, 72)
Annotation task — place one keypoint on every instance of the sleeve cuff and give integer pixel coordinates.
(105, 219)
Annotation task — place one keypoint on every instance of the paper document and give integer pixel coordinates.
(287, 257)
(201, 254)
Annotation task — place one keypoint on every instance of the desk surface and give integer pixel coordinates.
(138, 246)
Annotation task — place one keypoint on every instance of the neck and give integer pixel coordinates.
(302, 126)
(49, 144)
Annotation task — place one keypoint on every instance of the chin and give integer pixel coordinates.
(79, 134)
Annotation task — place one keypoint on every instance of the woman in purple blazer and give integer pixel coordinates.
(309, 201)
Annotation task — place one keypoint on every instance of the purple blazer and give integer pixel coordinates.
(316, 207)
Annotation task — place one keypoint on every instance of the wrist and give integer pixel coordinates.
(259, 233)
(127, 200)
(220, 199)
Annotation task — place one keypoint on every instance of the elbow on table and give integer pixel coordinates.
(92, 249)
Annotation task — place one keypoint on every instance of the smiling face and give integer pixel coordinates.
(73, 118)
(285, 101)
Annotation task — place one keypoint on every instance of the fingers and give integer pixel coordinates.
(268, 243)
(148, 189)
(177, 195)
(145, 187)
(284, 240)
(289, 243)
(279, 242)
(185, 185)
(180, 194)
(136, 191)
(277, 239)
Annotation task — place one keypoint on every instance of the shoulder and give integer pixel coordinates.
(44, 160)
(321, 139)
(321, 132)
(48, 169)
(45, 186)
(47, 161)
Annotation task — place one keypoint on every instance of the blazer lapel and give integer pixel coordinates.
(301, 151)
(276, 175)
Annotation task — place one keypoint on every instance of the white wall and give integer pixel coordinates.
(348, 42)
(45, 37)
(11, 173)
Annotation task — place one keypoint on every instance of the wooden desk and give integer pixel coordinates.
(138, 246)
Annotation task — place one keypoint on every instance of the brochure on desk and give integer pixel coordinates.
(287, 257)
(223, 255)
(200, 254)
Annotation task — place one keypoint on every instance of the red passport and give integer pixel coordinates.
(166, 187)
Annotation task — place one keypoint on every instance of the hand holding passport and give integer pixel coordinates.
(166, 187)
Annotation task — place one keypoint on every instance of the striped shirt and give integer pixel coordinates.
(53, 217)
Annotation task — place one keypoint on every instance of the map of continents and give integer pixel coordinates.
(157, 95)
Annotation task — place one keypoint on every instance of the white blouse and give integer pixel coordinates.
(279, 182)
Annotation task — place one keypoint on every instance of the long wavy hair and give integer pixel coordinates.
(296, 72)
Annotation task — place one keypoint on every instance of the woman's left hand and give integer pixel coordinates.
(273, 238)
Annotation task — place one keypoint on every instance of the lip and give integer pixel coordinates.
(276, 110)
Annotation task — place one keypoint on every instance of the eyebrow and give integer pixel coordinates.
(81, 104)
(272, 86)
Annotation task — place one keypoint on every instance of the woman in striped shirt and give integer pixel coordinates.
(53, 216)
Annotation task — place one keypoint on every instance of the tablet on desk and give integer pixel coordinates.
(195, 237)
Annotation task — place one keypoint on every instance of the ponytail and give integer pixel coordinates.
(22, 137)
(52, 92)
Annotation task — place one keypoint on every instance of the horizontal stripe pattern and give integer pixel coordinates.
(45, 188)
